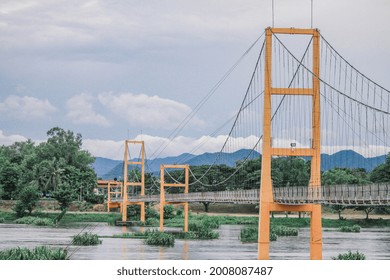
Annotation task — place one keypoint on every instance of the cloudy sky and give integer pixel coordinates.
(117, 69)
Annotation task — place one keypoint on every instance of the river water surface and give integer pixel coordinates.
(373, 242)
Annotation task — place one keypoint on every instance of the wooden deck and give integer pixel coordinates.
(365, 195)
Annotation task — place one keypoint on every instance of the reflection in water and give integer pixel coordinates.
(374, 243)
(185, 246)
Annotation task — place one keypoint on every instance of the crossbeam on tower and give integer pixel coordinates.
(267, 203)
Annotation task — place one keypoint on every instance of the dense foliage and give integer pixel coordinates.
(56, 168)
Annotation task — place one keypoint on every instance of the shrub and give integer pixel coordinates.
(28, 199)
(354, 228)
(133, 212)
(169, 212)
(86, 239)
(160, 239)
(179, 212)
(151, 213)
(83, 205)
(94, 198)
(152, 222)
(350, 256)
(2, 220)
(35, 221)
(38, 253)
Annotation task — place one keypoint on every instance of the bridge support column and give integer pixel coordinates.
(264, 231)
(316, 233)
(163, 201)
(142, 214)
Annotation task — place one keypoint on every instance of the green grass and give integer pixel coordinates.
(158, 238)
(213, 221)
(7, 216)
(221, 220)
(350, 256)
(86, 239)
(38, 253)
(354, 228)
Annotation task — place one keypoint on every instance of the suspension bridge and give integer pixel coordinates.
(297, 104)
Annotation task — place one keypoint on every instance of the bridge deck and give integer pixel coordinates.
(365, 195)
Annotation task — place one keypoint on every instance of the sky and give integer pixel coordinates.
(115, 70)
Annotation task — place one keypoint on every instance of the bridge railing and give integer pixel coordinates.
(373, 194)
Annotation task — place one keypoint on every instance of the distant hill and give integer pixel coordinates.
(350, 159)
(110, 169)
(104, 165)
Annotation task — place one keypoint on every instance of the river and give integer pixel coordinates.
(373, 242)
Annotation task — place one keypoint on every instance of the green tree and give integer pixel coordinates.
(9, 181)
(290, 171)
(345, 176)
(381, 173)
(341, 176)
(65, 195)
(62, 160)
(28, 199)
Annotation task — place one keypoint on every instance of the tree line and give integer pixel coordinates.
(61, 169)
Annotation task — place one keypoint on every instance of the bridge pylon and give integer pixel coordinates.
(163, 185)
(135, 182)
(267, 204)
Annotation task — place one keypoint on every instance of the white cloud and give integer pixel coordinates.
(147, 111)
(10, 139)
(26, 107)
(81, 111)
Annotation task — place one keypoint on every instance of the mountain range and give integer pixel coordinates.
(109, 169)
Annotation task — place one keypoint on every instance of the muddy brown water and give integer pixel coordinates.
(373, 242)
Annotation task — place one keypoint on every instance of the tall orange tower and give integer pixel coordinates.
(138, 183)
(267, 203)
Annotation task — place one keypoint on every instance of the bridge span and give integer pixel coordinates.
(361, 195)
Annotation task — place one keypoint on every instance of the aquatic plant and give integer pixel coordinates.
(248, 234)
(354, 228)
(350, 256)
(201, 230)
(284, 231)
(158, 238)
(38, 253)
(86, 239)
